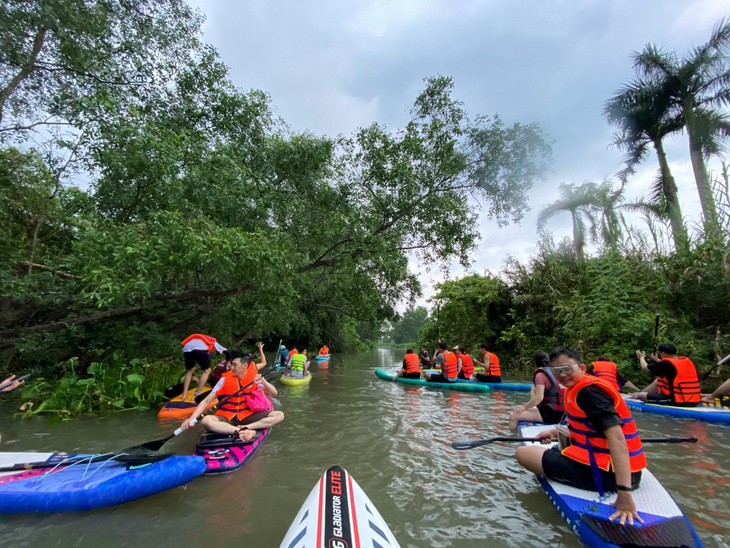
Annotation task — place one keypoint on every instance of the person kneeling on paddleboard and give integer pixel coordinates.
(447, 362)
(604, 453)
(234, 416)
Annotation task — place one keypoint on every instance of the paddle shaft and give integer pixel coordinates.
(470, 444)
(19, 379)
(656, 333)
(723, 361)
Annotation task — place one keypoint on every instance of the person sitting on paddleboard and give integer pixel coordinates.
(233, 416)
(722, 391)
(298, 366)
(223, 366)
(446, 361)
(490, 364)
(197, 349)
(324, 351)
(605, 369)
(283, 356)
(411, 366)
(425, 357)
(676, 380)
(546, 397)
(605, 452)
(464, 363)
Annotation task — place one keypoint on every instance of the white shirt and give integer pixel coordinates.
(199, 344)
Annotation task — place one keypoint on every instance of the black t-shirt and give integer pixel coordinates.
(597, 404)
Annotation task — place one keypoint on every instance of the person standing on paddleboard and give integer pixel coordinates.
(197, 349)
(546, 400)
(676, 380)
(604, 453)
(234, 416)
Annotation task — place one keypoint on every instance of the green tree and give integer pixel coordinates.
(407, 328)
(695, 89)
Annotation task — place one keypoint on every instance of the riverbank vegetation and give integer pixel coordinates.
(147, 198)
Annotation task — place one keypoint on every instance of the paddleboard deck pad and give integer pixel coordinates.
(460, 386)
(587, 514)
(86, 482)
(224, 453)
(704, 412)
(338, 514)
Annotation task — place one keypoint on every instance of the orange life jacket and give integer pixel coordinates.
(324, 351)
(493, 368)
(553, 397)
(293, 352)
(449, 369)
(467, 365)
(685, 387)
(209, 341)
(236, 406)
(413, 364)
(607, 372)
(589, 446)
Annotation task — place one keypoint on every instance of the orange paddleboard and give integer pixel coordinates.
(176, 408)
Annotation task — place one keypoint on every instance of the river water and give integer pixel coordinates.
(395, 441)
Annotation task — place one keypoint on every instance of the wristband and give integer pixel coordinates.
(623, 488)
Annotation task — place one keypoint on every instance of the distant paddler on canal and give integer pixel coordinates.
(604, 452)
(298, 366)
(197, 349)
(546, 398)
(676, 381)
(237, 392)
(411, 366)
(490, 365)
(447, 363)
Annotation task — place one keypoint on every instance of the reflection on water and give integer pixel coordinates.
(395, 441)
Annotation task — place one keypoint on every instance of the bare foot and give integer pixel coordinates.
(244, 434)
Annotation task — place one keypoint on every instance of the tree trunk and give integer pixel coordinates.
(669, 186)
(702, 178)
(578, 236)
(24, 72)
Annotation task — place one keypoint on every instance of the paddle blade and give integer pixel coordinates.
(154, 445)
(463, 445)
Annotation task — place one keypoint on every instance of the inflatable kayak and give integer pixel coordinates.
(321, 358)
(289, 381)
(707, 413)
(338, 513)
(176, 408)
(224, 453)
(58, 482)
(506, 386)
(664, 522)
(461, 386)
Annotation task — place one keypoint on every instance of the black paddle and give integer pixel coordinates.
(19, 379)
(656, 333)
(120, 457)
(723, 361)
(462, 445)
(156, 445)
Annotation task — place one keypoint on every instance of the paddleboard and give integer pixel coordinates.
(703, 412)
(321, 358)
(289, 381)
(176, 408)
(460, 386)
(587, 515)
(338, 514)
(87, 484)
(222, 453)
(506, 386)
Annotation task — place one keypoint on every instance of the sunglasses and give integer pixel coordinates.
(563, 369)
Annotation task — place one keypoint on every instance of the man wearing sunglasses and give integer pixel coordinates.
(605, 452)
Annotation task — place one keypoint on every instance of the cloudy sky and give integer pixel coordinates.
(331, 66)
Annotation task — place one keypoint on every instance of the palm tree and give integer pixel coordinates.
(579, 202)
(642, 114)
(696, 88)
(605, 202)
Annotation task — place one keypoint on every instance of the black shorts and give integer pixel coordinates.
(413, 375)
(549, 415)
(661, 399)
(487, 378)
(438, 377)
(248, 420)
(569, 472)
(197, 357)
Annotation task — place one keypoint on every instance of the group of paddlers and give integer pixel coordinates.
(454, 365)
(601, 449)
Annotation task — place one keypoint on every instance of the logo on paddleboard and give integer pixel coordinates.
(337, 509)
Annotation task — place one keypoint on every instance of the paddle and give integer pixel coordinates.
(120, 457)
(656, 333)
(21, 379)
(156, 445)
(723, 361)
(462, 445)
